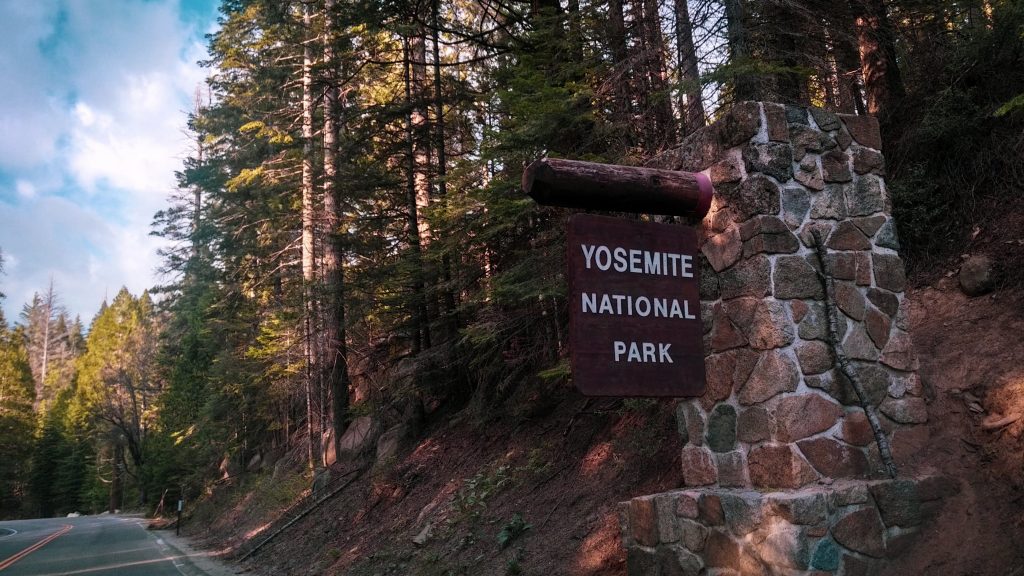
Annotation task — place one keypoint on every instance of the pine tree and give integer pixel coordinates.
(16, 424)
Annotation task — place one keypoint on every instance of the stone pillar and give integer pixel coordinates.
(781, 471)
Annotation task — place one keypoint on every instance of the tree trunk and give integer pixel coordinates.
(787, 85)
(841, 29)
(117, 478)
(622, 79)
(308, 257)
(883, 86)
(420, 329)
(691, 103)
(447, 297)
(664, 131)
(335, 361)
(47, 316)
(421, 133)
(744, 86)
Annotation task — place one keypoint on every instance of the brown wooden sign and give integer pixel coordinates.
(634, 314)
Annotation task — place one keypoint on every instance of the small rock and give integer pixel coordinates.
(850, 300)
(800, 508)
(825, 120)
(826, 556)
(732, 469)
(814, 357)
(711, 512)
(898, 502)
(858, 345)
(778, 466)
(834, 459)
(690, 421)
(809, 174)
(887, 237)
(778, 129)
(772, 159)
(856, 429)
(686, 506)
(643, 521)
(755, 195)
(795, 278)
(774, 373)
(723, 250)
(886, 301)
(721, 435)
(835, 167)
(861, 531)
(795, 204)
(698, 466)
(889, 272)
(878, 326)
(753, 425)
(750, 277)
(866, 160)
(869, 225)
(977, 276)
(848, 237)
(798, 417)
(867, 199)
(864, 129)
(899, 352)
(424, 536)
(906, 410)
(742, 511)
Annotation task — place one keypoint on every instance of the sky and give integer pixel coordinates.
(93, 112)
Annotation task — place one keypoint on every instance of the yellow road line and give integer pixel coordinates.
(10, 561)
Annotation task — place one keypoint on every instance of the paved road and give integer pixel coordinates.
(89, 545)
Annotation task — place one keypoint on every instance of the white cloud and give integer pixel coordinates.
(86, 117)
(25, 189)
(91, 138)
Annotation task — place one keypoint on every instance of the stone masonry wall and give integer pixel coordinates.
(777, 413)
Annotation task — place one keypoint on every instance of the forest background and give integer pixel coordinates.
(349, 237)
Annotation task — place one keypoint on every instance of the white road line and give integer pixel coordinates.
(165, 548)
(11, 530)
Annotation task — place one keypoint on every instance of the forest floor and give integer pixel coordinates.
(535, 490)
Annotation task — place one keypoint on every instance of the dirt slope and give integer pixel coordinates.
(551, 481)
(535, 491)
(972, 364)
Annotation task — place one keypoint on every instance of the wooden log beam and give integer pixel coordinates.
(592, 186)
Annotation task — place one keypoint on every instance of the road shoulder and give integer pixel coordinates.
(195, 562)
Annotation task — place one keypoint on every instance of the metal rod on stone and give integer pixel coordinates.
(575, 184)
(884, 450)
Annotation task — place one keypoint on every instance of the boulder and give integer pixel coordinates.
(977, 275)
(360, 437)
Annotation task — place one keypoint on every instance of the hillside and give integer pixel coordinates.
(562, 462)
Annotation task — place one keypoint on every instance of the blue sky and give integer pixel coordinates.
(92, 127)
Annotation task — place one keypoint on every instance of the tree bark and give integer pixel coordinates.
(883, 85)
(421, 131)
(588, 185)
(335, 361)
(661, 103)
(308, 256)
(419, 329)
(622, 95)
(840, 33)
(691, 103)
(744, 86)
(447, 296)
